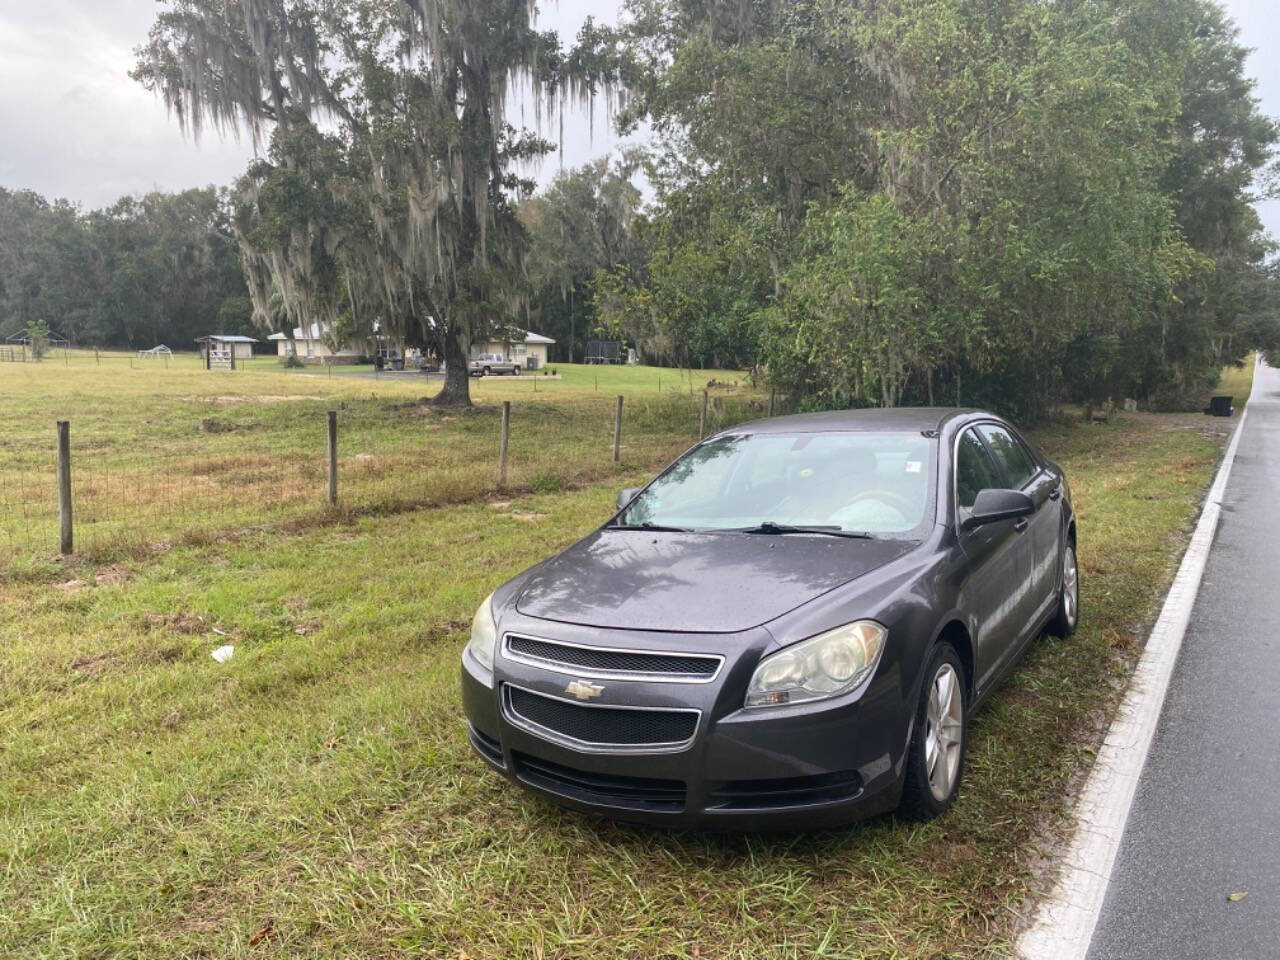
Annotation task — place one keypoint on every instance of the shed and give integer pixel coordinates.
(225, 349)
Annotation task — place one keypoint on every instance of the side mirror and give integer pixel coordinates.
(992, 506)
(626, 495)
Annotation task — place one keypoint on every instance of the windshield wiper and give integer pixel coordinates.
(769, 527)
(649, 525)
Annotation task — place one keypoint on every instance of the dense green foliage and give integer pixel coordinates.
(953, 201)
(585, 223)
(880, 202)
(146, 270)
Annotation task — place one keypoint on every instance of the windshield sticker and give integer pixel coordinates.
(913, 466)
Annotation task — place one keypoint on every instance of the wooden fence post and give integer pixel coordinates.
(502, 449)
(617, 429)
(65, 539)
(702, 418)
(333, 458)
(772, 392)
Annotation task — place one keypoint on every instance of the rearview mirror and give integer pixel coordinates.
(992, 506)
(626, 495)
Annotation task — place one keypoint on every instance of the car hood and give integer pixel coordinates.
(694, 582)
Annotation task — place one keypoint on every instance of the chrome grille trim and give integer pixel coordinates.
(714, 661)
(586, 746)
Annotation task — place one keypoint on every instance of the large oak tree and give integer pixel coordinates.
(386, 196)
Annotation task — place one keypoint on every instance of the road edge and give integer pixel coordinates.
(1064, 923)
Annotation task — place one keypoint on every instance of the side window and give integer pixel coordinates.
(975, 471)
(1010, 454)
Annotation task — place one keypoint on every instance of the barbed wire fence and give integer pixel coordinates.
(227, 470)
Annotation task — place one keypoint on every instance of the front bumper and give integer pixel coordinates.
(807, 765)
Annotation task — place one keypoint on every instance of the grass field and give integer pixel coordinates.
(316, 797)
(170, 454)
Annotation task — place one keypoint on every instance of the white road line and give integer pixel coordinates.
(1064, 924)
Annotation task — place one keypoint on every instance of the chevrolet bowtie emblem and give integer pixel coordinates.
(584, 689)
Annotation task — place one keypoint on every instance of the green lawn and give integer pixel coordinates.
(316, 797)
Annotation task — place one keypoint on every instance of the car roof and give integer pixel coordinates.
(886, 419)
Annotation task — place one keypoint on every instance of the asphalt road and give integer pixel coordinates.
(1205, 822)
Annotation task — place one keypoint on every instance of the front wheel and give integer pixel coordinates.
(515, 371)
(935, 761)
(1068, 616)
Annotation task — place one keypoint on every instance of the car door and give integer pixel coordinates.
(1023, 472)
(999, 559)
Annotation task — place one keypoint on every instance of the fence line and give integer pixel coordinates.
(98, 492)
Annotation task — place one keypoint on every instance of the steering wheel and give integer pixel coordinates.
(890, 499)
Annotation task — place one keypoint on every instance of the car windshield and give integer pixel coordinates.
(846, 482)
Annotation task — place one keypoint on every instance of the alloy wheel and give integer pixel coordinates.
(1070, 586)
(944, 732)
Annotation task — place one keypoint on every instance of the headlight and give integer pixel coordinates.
(824, 666)
(484, 635)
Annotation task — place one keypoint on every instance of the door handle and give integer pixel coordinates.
(1020, 524)
(1055, 494)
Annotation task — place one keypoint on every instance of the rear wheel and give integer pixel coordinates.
(515, 371)
(1068, 616)
(484, 372)
(935, 760)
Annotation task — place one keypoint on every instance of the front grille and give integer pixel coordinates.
(598, 725)
(580, 659)
(634, 793)
(785, 791)
(486, 746)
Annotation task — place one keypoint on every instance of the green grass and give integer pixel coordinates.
(317, 794)
(168, 455)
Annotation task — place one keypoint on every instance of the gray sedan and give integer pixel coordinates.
(791, 625)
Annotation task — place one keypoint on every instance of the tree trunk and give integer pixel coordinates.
(457, 373)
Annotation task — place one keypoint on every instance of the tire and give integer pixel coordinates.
(515, 371)
(1067, 618)
(484, 372)
(930, 787)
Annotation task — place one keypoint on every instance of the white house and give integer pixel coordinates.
(531, 352)
(312, 346)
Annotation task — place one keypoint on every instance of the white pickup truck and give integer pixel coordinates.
(488, 363)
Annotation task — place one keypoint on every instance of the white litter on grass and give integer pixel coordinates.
(223, 654)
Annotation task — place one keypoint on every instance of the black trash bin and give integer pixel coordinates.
(1220, 407)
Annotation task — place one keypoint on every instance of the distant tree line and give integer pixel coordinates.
(162, 268)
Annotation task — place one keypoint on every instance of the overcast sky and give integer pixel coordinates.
(72, 123)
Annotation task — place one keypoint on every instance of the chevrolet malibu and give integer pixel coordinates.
(790, 626)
